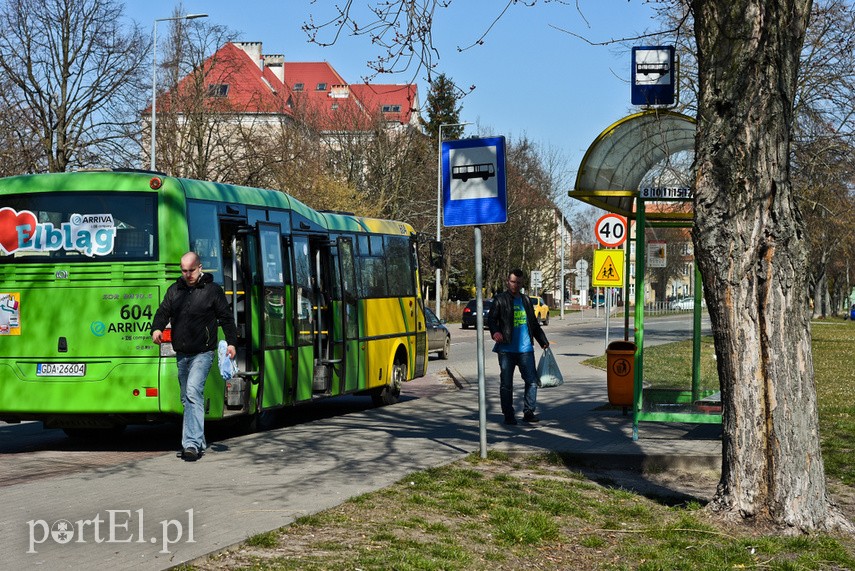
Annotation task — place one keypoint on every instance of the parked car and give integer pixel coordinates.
(541, 310)
(852, 313)
(682, 304)
(470, 315)
(439, 337)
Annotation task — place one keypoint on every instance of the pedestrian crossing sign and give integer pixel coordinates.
(608, 268)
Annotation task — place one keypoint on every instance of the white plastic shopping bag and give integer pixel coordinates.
(547, 370)
(228, 367)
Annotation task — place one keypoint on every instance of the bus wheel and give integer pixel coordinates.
(391, 393)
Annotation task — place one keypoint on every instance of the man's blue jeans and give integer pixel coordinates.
(192, 372)
(507, 362)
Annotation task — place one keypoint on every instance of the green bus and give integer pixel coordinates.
(325, 303)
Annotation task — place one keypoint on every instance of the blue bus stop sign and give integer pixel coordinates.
(653, 75)
(473, 182)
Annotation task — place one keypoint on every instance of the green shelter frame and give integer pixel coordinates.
(610, 178)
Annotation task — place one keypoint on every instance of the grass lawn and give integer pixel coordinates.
(533, 512)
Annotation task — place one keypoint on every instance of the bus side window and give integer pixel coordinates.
(205, 236)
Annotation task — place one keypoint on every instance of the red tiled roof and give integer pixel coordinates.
(312, 90)
(322, 97)
(396, 102)
(310, 74)
(246, 87)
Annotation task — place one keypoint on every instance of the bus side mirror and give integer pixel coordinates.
(436, 254)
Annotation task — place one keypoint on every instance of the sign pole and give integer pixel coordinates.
(475, 193)
(479, 343)
(607, 295)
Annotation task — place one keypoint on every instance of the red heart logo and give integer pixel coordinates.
(9, 223)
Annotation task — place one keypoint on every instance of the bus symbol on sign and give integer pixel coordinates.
(465, 172)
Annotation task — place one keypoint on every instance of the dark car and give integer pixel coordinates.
(852, 313)
(439, 338)
(470, 315)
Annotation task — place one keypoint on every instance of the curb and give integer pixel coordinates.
(641, 462)
(458, 378)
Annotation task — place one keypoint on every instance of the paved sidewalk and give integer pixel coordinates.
(159, 512)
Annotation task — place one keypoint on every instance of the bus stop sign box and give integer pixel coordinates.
(653, 75)
(473, 182)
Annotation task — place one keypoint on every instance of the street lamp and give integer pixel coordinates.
(154, 74)
(563, 285)
(439, 200)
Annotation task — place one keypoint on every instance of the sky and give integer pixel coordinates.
(532, 79)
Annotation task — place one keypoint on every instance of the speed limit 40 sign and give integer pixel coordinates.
(611, 230)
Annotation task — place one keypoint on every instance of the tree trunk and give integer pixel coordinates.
(821, 285)
(750, 244)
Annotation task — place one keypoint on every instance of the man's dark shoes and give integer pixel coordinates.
(190, 454)
(531, 417)
(510, 420)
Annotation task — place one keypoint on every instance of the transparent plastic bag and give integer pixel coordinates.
(547, 370)
(228, 367)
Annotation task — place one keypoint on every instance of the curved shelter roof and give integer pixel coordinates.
(617, 161)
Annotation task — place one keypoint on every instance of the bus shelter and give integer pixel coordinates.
(634, 168)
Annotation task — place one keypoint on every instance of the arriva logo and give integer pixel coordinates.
(89, 234)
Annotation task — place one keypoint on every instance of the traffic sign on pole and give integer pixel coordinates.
(608, 268)
(611, 230)
(653, 75)
(473, 182)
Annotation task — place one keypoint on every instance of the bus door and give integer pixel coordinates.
(347, 331)
(273, 268)
(313, 317)
(235, 242)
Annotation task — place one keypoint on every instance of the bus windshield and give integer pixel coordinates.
(78, 226)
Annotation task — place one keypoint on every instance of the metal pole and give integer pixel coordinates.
(154, 76)
(607, 296)
(640, 262)
(438, 215)
(479, 344)
(696, 334)
(561, 295)
(628, 250)
(234, 280)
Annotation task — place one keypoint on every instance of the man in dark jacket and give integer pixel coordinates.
(512, 326)
(195, 306)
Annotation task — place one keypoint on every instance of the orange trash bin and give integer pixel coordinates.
(620, 373)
